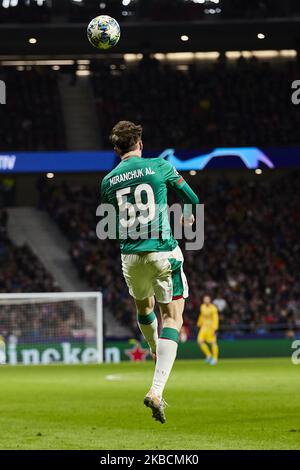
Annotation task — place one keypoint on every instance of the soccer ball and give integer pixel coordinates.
(103, 32)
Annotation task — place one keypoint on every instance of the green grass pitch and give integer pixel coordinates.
(240, 404)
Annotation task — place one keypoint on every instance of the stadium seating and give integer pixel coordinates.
(32, 118)
(209, 106)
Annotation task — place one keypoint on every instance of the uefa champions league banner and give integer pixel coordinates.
(97, 161)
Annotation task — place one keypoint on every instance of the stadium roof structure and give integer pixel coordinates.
(155, 36)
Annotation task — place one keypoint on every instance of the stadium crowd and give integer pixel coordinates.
(38, 322)
(21, 272)
(32, 117)
(222, 104)
(249, 264)
(219, 105)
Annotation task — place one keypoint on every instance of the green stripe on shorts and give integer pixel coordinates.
(177, 283)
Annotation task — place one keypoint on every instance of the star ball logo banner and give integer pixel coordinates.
(137, 353)
(70, 353)
(184, 160)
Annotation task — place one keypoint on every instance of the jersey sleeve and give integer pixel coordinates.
(175, 181)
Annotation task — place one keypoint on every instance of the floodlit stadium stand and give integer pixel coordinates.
(32, 118)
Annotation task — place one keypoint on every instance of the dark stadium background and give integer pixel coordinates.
(228, 85)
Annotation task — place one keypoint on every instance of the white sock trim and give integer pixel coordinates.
(166, 355)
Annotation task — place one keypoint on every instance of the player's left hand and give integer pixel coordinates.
(187, 221)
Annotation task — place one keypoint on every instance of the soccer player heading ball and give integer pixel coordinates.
(152, 266)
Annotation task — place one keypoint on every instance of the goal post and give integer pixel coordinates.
(54, 327)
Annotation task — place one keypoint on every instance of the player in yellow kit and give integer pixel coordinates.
(208, 322)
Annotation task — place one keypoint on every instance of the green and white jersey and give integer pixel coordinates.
(139, 187)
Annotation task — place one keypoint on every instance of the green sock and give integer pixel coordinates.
(148, 326)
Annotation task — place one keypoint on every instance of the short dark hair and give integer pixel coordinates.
(125, 135)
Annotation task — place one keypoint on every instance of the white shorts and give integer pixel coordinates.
(157, 273)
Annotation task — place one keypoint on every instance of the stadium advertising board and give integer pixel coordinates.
(116, 351)
(95, 161)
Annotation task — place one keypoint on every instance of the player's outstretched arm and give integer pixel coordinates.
(187, 195)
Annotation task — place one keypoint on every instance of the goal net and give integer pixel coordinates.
(51, 328)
